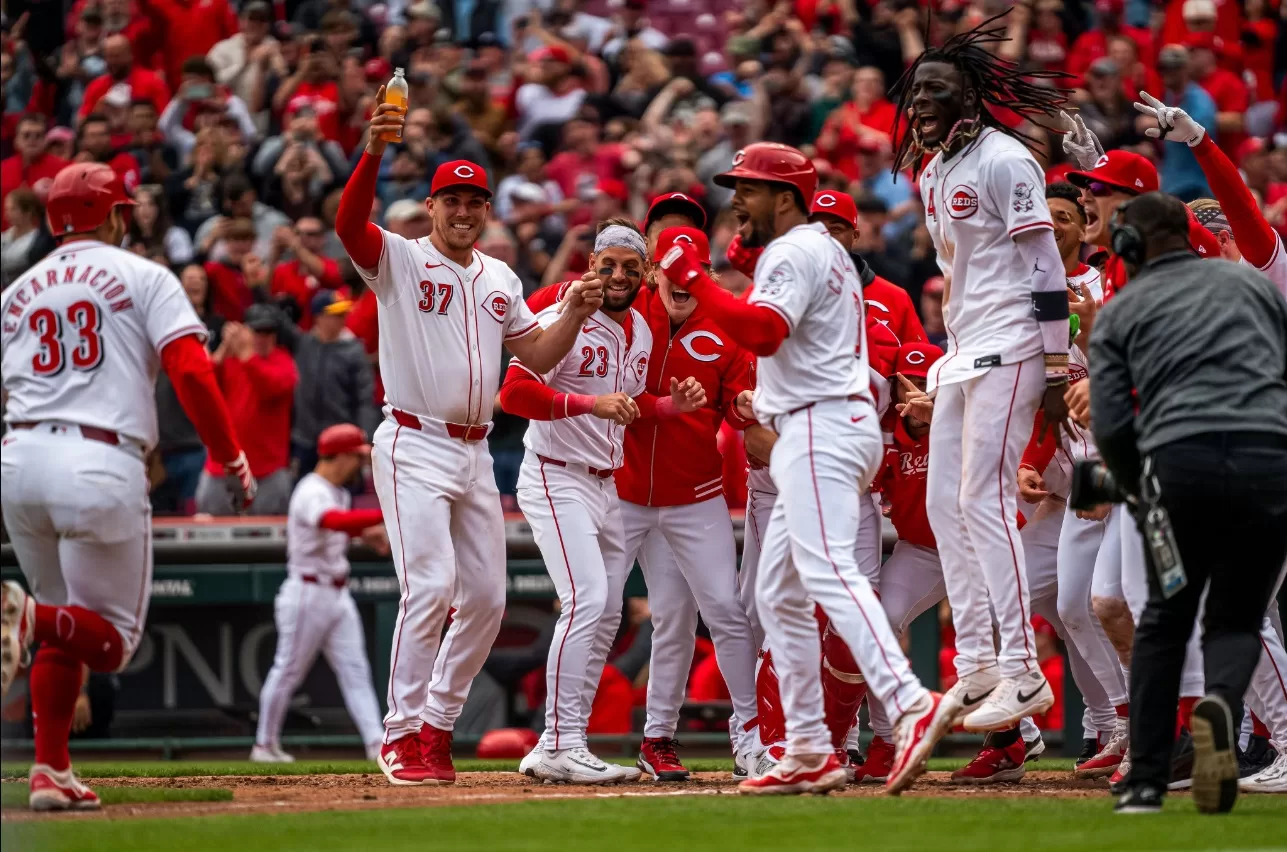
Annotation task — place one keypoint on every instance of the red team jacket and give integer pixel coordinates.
(902, 480)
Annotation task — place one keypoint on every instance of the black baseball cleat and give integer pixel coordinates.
(1215, 763)
(1089, 748)
(1140, 800)
(1182, 762)
(1257, 757)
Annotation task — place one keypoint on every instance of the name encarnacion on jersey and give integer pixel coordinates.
(112, 289)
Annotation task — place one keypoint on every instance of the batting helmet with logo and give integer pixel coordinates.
(82, 197)
(775, 163)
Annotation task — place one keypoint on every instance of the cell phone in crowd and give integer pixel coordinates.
(199, 92)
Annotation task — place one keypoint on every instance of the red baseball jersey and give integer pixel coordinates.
(677, 462)
(902, 481)
(891, 306)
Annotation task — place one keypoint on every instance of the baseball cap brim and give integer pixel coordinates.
(1083, 180)
(676, 203)
(729, 179)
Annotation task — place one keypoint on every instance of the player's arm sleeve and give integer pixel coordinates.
(1256, 238)
(526, 394)
(1040, 451)
(363, 240)
(1049, 291)
(351, 521)
(520, 320)
(654, 407)
(737, 378)
(1112, 408)
(188, 365)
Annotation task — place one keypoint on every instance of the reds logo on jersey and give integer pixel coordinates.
(496, 305)
(913, 464)
(688, 341)
(963, 203)
(641, 366)
(1076, 372)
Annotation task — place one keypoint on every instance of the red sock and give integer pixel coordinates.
(55, 684)
(1123, 711)
(1258, 728)
(83, 633)
(1184, 718)
(768, 704)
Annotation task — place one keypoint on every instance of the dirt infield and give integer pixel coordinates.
(285, 794)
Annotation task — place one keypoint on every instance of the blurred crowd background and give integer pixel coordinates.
(237, 124)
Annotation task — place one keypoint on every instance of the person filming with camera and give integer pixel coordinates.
(1188, 368)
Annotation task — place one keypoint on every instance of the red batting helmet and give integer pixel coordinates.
(82, 197)
(775, 163)
(341, 438)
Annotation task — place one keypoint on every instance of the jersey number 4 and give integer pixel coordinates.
(86, 354)
(594, 361)
(445, 292)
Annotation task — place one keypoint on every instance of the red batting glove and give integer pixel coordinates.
(240, 483)
(742, 258)
(681, 264)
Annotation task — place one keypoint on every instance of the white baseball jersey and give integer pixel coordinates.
(810, 281)
(1078, 442)
(442, 327)
(601, 361)
(976, 203)
(82, 333)
(309, 548)
(1276, 268)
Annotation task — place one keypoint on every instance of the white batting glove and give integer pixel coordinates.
(1080, 142)
(240, 483)
(1173, 123)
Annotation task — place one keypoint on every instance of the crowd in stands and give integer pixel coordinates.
(237, 125)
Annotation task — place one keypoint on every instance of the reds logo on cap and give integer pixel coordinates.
(739, 157)
(915, 356)
(962, 203)
(680, 196)
(684, 238)
(1102, 161)
(826, 200)
(463, 172)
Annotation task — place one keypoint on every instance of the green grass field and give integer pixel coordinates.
(737, 824)
(14, 795)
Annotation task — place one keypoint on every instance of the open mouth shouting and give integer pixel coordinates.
(680, 297)
(743, 220)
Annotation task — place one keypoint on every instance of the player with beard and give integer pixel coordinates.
(1006, 312)
(566, 489)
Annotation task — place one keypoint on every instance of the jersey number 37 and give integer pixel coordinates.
(86, 320)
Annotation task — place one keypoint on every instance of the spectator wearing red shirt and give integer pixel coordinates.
(1259, 35)
(94, 144)
(234, 279)
(189, 28)
(1093, 44)
(308, 271)
(585, 163)
(258, 380)
(124, 17)
(143, 84)
(1225, 88)
(869, 115)
(1221, 17)
(31, 165)
(312, 85)
(1040, 39)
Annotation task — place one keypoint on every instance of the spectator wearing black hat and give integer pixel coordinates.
(258, 379)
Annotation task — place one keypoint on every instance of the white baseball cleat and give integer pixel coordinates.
(1271, 779)
(1014, 698)
(969, 693)
(766, 760)
(52, 790)
(527, 766)
(272, 754)
(580, 766)
(17, 629)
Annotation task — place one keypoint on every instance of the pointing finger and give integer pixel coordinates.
(1147, 110)
(906, 383)
(1150, 100)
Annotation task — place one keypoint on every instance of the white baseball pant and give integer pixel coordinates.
(824, 455)
(1267, 696)
(696, 573)
(313, 617)
(447, 537)
(759, 508)
(1088, 550)
(981, 426)
(78, 515)
(869, 547)
(576, 521)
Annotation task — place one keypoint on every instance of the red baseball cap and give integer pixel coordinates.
(675, 202)
(552, 52)
(834, 203)
(460, 173)
(1201, 240)
(342, 438)
(614, 189)
(915, 359)
(1124, 170)
(669, 236)
(1250, 145)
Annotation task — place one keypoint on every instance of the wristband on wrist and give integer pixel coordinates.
(1056, 368)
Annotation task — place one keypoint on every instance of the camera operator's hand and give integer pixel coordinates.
(1077, 398)
(1054, 410)
(1096, 514)
(1032, 487)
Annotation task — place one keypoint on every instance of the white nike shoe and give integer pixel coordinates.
(1014, 698)
(1271, 779)
(270, 754)
(527, 766)
(969, 693)
(580, 766)
(768, 759)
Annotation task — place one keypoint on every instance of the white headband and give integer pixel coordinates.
(620, 236)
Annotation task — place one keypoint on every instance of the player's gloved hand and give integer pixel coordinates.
(742, 258)
(240, 483)
(1173, 123)
(617, 407)
(1080, 142)
(681, 264)
(688, 395)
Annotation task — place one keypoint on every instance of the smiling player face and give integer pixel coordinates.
(622, 271)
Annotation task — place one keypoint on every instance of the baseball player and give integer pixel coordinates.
(314, 609)
(568, 494)
(671, 485)
(444, 312)
(803, 321)
(1006, 312)
(672, 210)
(84, 333)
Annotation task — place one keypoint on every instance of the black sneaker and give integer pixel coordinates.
(1140, 800)
(1215, 766)
(1182, 763)
(1089, 748)
(855, 757)
(1033, 749)
(1258, 756)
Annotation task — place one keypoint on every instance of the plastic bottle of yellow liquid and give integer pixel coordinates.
(395, 93)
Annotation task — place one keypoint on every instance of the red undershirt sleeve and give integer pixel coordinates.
(360, 236)
(524, 395)
(1256, 238)
(757, 328)
(351, 521)
(186, 363)
(1038, 453)
(654, 407)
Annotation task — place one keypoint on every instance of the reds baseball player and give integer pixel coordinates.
(568, 494)
(803, 321)
(444, 312)
(314, 609)
(84, 333)
(672, 485)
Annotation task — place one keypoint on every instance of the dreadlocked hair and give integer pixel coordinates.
(998, 82)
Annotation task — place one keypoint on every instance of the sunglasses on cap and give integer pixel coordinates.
(1103, 190)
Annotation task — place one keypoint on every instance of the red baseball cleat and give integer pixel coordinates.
(816, 774)
(52, 790)
(435, 746)
(1110, 756)
(403, 764)
(657, 758)
(915, 735)
(994, 764)
(875, 769)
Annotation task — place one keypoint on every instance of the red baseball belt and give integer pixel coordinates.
(467, 432)
(337, 582)
(602, 474)
(89, 433)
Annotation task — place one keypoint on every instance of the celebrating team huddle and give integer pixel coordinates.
(627, 376)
